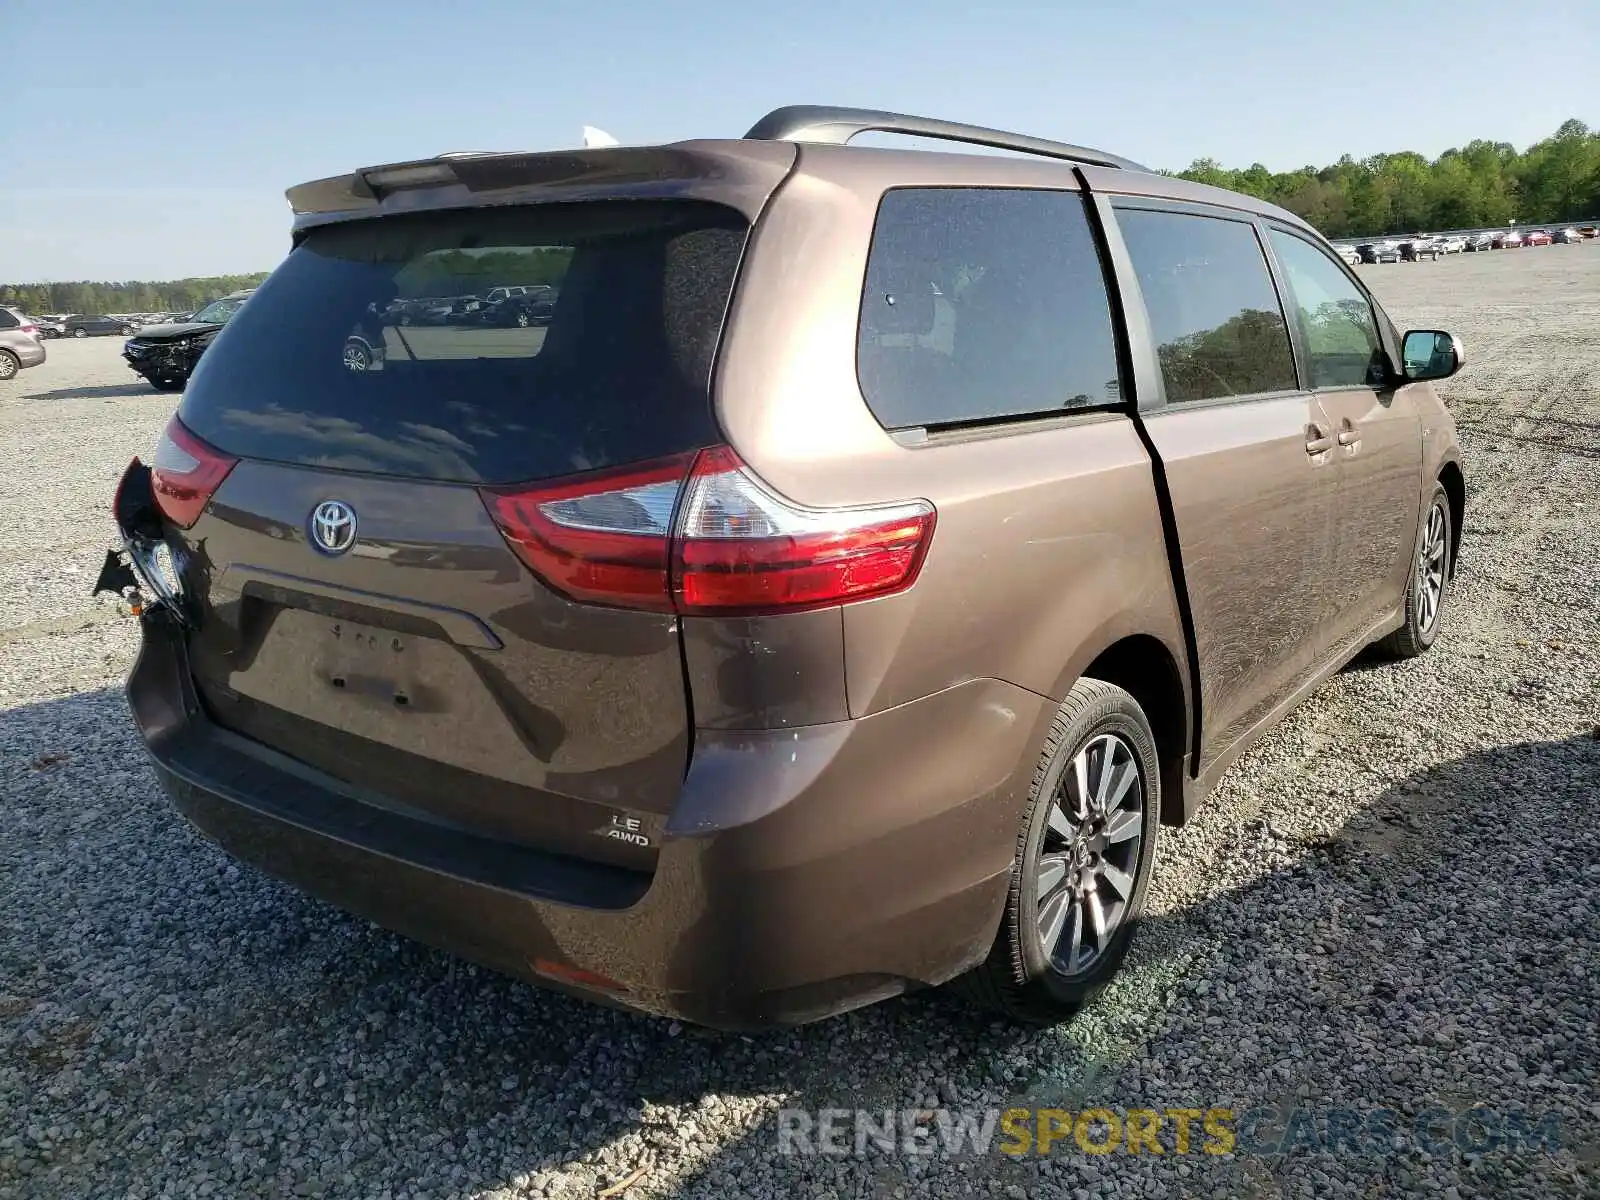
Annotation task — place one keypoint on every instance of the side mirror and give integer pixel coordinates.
(1431, 354)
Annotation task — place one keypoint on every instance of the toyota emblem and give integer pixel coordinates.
(333, 526)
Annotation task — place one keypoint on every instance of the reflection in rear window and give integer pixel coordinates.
(480, 346)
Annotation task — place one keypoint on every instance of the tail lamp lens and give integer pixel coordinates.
(701, 534)
(185, 473)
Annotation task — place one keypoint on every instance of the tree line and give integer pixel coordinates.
(96, 296)
(1482, 184)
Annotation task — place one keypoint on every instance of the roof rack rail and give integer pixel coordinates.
(836, 126)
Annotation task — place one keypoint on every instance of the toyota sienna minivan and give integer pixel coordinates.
(835, 597)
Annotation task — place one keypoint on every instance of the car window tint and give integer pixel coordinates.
(390, 346)
(1336, 323)
(1214, 312)
(982, 303)
(7, 321)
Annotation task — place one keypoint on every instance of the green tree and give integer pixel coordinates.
(1481, 184)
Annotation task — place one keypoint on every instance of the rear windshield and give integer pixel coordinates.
(481, 345)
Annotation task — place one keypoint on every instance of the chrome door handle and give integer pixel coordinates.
(1349, 437)
(1316, 441)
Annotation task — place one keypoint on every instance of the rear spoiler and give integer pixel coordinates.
(740, 173)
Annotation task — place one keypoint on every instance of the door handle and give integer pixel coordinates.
(1316, 441)
(1349, 435)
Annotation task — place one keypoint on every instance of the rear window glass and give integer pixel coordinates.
(983, 303)
(480, 345)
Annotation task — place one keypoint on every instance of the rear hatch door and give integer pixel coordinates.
(358, 607)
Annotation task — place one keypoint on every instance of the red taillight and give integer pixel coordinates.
(741, 548)
(701, 534)
(30, 329)
(185, 472)
(602, 537)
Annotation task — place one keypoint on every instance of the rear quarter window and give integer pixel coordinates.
(396, 345)
(983, 304)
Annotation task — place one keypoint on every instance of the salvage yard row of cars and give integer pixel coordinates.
(1422, 245)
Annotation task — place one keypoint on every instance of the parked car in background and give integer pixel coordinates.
(1588, 231)
(1419, 246)
(1508, 239)
(1479, 242)
(88, 326)
(1379, 252)
(1349, 253)
(51, 327)
(1451, 245)
(22, 321)
(771, 638)
(523, 310)
(1568, 236)
(498, 294)
(21, 346)
(166, 355)
(1537, 237)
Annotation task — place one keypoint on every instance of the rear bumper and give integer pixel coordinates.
(29, 352)
(804, 871)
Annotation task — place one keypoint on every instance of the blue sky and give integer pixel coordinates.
(145, 139)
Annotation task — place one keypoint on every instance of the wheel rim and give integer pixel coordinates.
(8, 366)
(1430, 568)
(1090, 859)
(355, 358)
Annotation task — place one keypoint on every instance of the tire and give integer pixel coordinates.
(10, 364)
(357, 355)
(168, 385)
(78, 333)
(127, 331)
(1433, 555)
(1021, 979)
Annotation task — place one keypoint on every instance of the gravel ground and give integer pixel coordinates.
(1391, 901)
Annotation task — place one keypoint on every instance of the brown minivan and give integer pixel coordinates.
(827, 590)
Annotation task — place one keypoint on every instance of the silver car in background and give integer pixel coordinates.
(21, 343)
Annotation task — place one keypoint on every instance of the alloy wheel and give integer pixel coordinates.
(1090, 857)
(8, 366)
(1431, 568)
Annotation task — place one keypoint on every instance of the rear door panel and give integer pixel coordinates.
(1248, 457)
(1254, 512)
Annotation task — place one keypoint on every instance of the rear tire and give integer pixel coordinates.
(168, 385)
(1034, 977)
(78, 333)
(1428, 586)
(10, 364)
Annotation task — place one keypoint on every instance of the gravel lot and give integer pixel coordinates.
(1391, 901)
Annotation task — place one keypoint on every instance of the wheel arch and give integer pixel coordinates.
(1455, 487)
(1143, 666)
